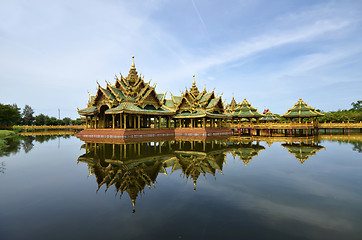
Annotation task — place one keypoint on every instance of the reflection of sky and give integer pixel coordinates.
(45, 193)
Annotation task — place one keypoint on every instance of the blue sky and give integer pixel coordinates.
(270, 52)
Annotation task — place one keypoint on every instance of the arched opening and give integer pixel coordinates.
(103, 118)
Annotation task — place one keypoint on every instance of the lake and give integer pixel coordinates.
(59, 187)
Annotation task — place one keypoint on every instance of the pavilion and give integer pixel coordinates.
(132, 104)
(269, 117)
(244, 110)
(300, 111)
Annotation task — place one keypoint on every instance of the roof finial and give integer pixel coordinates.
(194, 79)
(133, 65)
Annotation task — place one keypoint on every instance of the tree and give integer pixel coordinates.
(66, 121)
(40, 120)
(53, 121)
(357, 106)
(27, 115)
(9, 114)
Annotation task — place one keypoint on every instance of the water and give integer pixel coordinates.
(271, 188)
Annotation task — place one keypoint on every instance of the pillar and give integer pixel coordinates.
(169, 122)
(204, 122)
(139, 121)
(113, 121)
(125, 121)
(120, 121)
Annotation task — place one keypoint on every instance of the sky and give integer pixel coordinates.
(52, 53)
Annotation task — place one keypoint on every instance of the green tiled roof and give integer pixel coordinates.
(301, 109)
(129, 107)
(108, 93)
(205, 97)
(245, 110)
(169, 103)
(177, 99)
(88, 110)
(118, 93)
(269, 116)
(160, 96)
(213, 102)
(200, 113)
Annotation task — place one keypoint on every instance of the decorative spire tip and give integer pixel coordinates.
(133, 65)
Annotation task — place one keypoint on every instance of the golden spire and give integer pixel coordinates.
(193, 83)
(133, 65)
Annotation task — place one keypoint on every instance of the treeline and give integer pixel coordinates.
(353, 114)
(11, 115)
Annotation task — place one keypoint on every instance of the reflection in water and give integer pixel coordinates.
(131, 167)
(247, 151)
(15, 143)
(303, 150)
(2, 167)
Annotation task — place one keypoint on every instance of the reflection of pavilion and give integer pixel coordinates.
(132, 167)
(302, 151)
(246, 151)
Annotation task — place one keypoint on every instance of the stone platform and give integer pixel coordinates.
(96, 135)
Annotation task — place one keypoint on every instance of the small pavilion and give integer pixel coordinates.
(246, 111)
(302, 110)
(269, 117)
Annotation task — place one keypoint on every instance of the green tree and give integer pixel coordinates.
(53, 121)
(9, 114)
(27, 115)
(357, 106)
(66, 121)
(40, 120)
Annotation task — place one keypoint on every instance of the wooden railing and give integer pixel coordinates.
(47, 133)
(43, 128)
(293, 125)
(340, 125)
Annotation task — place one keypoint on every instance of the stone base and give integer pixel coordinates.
(127, 135)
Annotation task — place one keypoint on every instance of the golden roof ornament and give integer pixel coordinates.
(133, 65)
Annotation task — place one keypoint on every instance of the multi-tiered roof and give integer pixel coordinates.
(195, 104)
(245, 110)
(301, 110)
(269, 117)
(129, 94)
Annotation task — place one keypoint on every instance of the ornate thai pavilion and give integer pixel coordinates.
(197, 109)
(129, 103)
(133, 104)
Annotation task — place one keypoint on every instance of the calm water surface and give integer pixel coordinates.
(61, 187)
